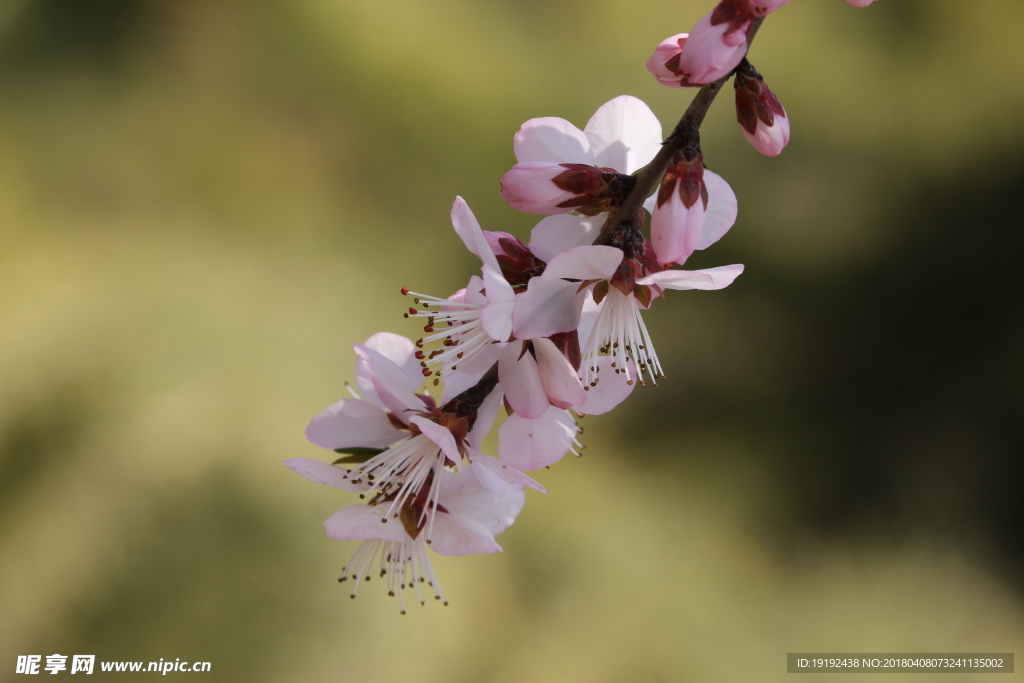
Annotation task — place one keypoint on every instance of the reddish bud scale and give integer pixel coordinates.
(733, 12)
(518, 264)
(755, 100)
(580, 179)
(685, 177)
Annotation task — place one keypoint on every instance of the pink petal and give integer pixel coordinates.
(611, 390)
(769, 140)
(530, 444)
(624, 134)
(547, 307)
(709, 278)
(390, 383)
(352, 423)
(710, 53)
(485, 416)
(362, 522)
(555, 234)
(860, 3)
(551, 139)
(496, 316)
(441, 436)
(485, 463)
(675, 229)
(455, 534)
(463, 494)
(585, 263)
(588, 318)
(520, 378)
(468, 228)
(322, 473)
(561, 383)
(470, 373)
(722, 210)
(528, 187)
(401, 350)
(666, 50)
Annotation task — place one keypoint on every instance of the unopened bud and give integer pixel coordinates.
(549, 188)
(713, 48)
(761, 116)
(678, 218)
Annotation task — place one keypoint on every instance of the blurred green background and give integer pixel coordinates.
(203, 205)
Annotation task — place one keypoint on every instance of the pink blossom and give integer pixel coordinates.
(388, 375)
(471, 509)
(618, 285)
(713, 48)
(860, 3)
(473, 323)
(664, 63)
(622, 136)
(530, 444)
(694, 209)
(422, 439)
(761, 116)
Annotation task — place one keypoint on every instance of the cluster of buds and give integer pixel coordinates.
(547, 330)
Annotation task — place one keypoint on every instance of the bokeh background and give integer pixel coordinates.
(203, 205)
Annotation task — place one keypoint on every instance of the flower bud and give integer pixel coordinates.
(678, 218)
(860, 3)
(761, 116)
(664, 63)
(548, 188)
(713, 48)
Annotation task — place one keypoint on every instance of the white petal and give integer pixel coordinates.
(462, 494)
(611, 390)
(555, 234)
(454, 534)
(322, 473)
(584, 263)
(519, 376)
(547, 307)
(588, 318)
(526, 445)
(352, 423)
(362, 522)
(722, 210)
(485, 416)
(496, 316)
(401, 350)
(390, 383)
(441, 436)
(468, 228)
(708, 278)
(561, 383)
(551, 139)
(624, 134)
(675, 229)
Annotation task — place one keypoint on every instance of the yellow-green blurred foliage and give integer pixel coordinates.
(203, 205)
